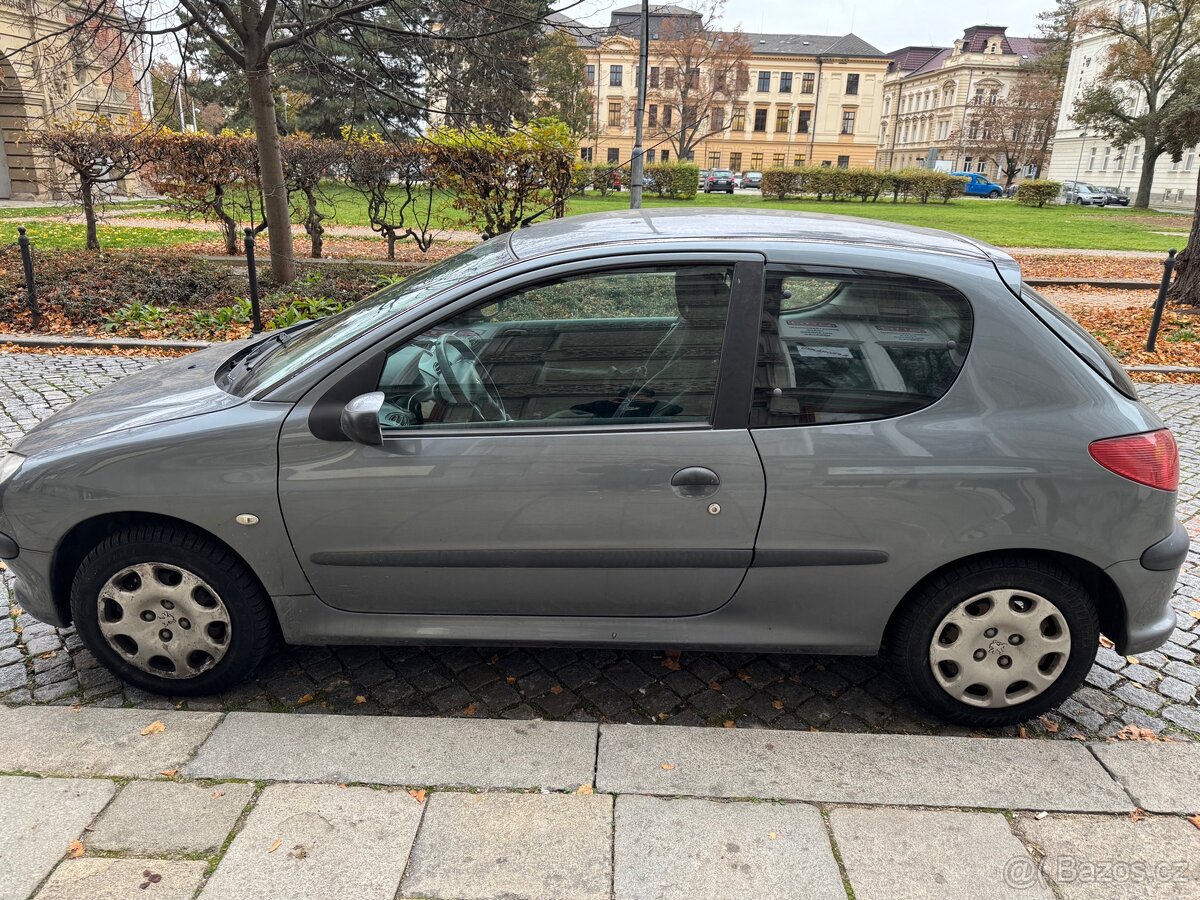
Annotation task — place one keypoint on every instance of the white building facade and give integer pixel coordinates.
(1080, 154)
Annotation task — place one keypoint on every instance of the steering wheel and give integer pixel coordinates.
(465, 378)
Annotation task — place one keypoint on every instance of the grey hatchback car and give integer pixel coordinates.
(720, 429)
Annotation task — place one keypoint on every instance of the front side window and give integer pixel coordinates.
(837, 348)
(625, 347)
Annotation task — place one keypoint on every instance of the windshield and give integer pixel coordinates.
(337, 330)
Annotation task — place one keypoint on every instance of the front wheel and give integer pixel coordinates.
(995, 642)
(171, 611)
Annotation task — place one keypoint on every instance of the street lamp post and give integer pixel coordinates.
(638, 168)
(1082, 146)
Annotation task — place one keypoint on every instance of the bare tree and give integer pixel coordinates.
(1139, 82)
(1016, 130)
(307, 161)
(701, 69)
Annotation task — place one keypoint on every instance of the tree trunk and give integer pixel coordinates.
(313, 226)
(229, 228)
(87, 190)
(1186, 288)
(1146, 181)
(270, 163)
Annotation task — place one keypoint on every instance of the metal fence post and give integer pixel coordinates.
(1168, 268)
(256, 325)
(35, 311)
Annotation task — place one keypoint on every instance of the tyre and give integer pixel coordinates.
(729, 190)
(995, 642)
(171, 611)
(994, 195)
(1079, 201)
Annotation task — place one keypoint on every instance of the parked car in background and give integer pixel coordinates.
(1114, 197)
(752, 180)
(719, 180)
(703, 178)
(720, 428)
(979, 185)
(1081, 193)
(737, 179)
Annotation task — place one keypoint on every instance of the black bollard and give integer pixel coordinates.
(1168, 268)
(256, 325)
(35, 311)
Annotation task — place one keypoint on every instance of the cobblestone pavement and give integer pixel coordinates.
(39, 664)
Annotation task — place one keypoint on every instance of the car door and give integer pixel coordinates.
(587, 454)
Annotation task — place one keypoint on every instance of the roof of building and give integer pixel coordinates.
(908, 59)
(734, 224)
(922, 60)
(812, 45)
(656, 9)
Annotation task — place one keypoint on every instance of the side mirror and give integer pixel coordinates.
(360, 419)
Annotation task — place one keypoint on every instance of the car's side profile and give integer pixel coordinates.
(977, 185)
(723, 429)
(1082, 194)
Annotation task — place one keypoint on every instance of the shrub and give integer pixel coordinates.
(782, 183)
(307, 162)
(1037, 192)
(675, 180)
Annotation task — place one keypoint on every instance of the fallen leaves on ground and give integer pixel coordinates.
(155, 727)
(585, 789)
(671, 660)
(777, 704)
(1049, 724)
(667, 767)
(1137, 815)
(1136, 733)
(1124, 329)
(217, 795)
(151, 878)
(418, 795)
(715, 685)
(169, 773)
(556, 690)
(1195, 820)
(360, 699)
(75, 849)
(1106, 643)
(307, 698)
(729, 723)
(1110, 268)
(471, 710)
(275, 845)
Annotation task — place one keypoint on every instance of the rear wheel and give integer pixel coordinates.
(995, 642)
(171, 611)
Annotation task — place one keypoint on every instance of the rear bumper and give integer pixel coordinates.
(1146, 585)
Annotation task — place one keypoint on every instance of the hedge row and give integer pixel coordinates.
(1038, 192)
(865, 184)
(677, 180)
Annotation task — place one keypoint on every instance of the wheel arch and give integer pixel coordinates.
(1110, 605)
(85, 535)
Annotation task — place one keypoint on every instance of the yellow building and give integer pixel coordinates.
(803, 99)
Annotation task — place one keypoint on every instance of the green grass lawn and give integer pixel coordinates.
(72, 235)
(1001, 222)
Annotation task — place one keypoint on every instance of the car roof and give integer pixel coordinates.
(677, 224)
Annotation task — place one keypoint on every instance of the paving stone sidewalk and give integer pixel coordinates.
(120, 803)
(38, 664)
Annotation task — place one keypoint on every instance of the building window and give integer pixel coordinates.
(653, 115)
(785, 82)
(760, 120)
(781, 120)
(1104, 162)
(742, 79)
(666, 156)
(735, 161)
(847, 121)
(756, 162)
(1135, 159)
(993, 96)
(691, 156)
(738, 122)
(614, 154)
(973, 131)
(585, 154)
(693, 78)
(852, 83)
(668, 115)
(803, 118)
(669, 78)
(716, 118)
(807, 81)
(614, 114)
(779, 160)
(650, 156)
(1191, 159)
(654, 76)
(1092, 160)
(979, 167)
(979, 96)
(591, 74)
(714, 160)
(615, 74)
(764, 81)
(843, 162)
(799, 160)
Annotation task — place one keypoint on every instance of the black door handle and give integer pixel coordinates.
(695, 483)
(695, 476)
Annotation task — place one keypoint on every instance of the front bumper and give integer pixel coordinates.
(1146, 585)
(32, 572)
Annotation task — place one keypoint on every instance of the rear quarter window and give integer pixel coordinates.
(1075, 336)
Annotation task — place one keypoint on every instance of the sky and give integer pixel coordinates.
(887, 24)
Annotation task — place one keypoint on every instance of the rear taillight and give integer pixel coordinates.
(1150, 458)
